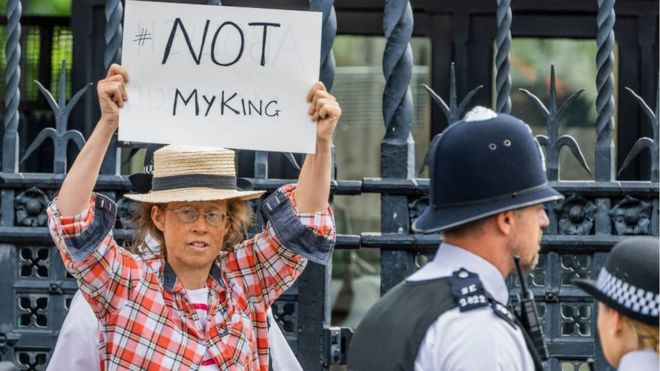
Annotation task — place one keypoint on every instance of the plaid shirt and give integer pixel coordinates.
(147, 319)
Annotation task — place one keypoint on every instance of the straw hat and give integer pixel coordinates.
(183, 173)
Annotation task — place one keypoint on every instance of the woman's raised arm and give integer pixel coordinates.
(77, 187)
(313, 188)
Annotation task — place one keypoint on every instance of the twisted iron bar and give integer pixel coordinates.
(503, 45)
(605, 86)
(12, 90)
(328, 33)
(552, 142)
(397, 68)
(114, 12)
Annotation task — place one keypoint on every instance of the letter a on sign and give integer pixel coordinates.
(219, 76)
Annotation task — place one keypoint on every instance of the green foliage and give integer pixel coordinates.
(575, 64)
(41, 7)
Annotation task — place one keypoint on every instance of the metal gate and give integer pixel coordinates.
(35, 290)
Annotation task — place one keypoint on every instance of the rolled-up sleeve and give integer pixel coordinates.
(271, 261)
(104, 271)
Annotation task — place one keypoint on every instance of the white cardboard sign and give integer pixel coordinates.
(219, 76)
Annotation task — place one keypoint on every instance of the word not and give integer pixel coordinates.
(197, 55)
(226, 103)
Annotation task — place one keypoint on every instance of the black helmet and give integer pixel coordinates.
(480, 167)
(629, 281)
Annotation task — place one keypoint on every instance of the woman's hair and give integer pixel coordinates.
(647, 335)
(239, 215)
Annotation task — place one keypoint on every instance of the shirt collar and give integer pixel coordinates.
(646, 359)
(170, 281)
(450, 258)
(172, 284)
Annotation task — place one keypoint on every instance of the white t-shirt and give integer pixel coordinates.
(199, 299)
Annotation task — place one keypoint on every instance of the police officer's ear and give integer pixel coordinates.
(612, 321)
(504, 222)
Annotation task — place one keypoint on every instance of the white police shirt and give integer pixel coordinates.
(476, 339)
(641, 360)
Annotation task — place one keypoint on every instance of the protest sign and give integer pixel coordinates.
(219, 76)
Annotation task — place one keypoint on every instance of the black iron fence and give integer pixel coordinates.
(35, 290)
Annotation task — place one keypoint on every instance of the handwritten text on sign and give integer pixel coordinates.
(219, 76)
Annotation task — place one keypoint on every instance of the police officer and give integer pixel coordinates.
(488, 186)
(628, 297)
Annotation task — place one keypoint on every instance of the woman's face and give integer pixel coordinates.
(194, 232)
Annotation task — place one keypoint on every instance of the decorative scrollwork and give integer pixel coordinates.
(33, 311)
(645, 142)
(59, 135)
(32, 360)
(535, 278)
(576, 215)
(416, 208)
(7, 337)
(34, 262)
(452, 112)
(552, 142)
(631, 216)
(31, 208)
(67, 302)
(576, 319)
(574, 365)
(574, 266)
(285, 314)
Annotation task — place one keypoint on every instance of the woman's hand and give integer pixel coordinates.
(112, 95)
(325, 111)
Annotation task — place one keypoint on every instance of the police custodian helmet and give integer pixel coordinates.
(480, 166)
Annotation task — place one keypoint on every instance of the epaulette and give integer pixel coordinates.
(467, 290)
(469, 293)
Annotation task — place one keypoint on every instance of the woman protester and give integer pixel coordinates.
(203, 304)
(628, 304)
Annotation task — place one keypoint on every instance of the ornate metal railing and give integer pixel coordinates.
(36, 290)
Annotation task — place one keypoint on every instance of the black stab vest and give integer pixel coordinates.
(389, 336)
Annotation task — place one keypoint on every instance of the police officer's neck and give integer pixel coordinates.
(489, 246)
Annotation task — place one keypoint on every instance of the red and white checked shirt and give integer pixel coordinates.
(147, 319)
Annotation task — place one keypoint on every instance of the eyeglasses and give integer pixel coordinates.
(189, 214)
